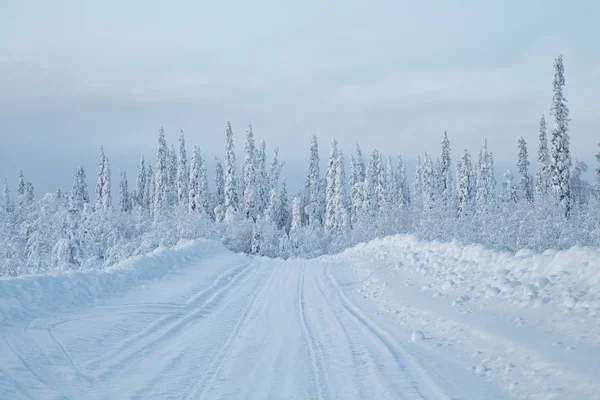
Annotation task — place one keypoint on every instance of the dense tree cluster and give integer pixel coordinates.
(250, 210)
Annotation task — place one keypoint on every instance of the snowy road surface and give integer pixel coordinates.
(227, 326)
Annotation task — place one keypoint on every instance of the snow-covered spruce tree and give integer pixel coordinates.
(464, 186)
(150, 189)
(509, 189)
(162, 175)
(140, 192)
(172, 190)
(417, 192)
(124, 200)
(194, 179)
(283, 221)
(486, 181)
(7, 205)
(380, 190)
(79, 193)
(330, 175)
(580, 188)
(262, 179)
(250, 178)
(429, 190)
(21, 189)
(402, 185)
(341, 218)
(106, 191)
(182, 173)
(312, 187)
(542, 175)
(296, 224)
(275, 170)
(100, 180)
(272, 208)
(391, 188)
(357, 188)
(525, 180)
(445, 174)
(560, 157)
(230, 194)
(203, 193)
(219, 203)
(29, 194)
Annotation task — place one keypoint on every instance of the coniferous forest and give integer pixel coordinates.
(543, 202)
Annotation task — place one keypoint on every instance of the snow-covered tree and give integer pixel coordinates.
(124, 200)
(312, 188)
(100, 180)
(140, 192)
(250, 180)
(486, 180)
(194, 178)
(172, 188)
(429, 188)
(150, 189)
(231, 197)
(262, 179)
(275, 170)
(560, 157)
(296, 214)
(509, 188)
(464, 186)
(106, 191)
(219, 183)
(7, 205)
(580, 188)
(29, 195)
(357, 188)
(542, 176)
(417, 192)
(341, 217)
(391, 184)
(445, 173)
(203, 194)
(162, 175)
(182, 173)
(378, 176)
(21, 188)
(103, 190)
(525, 180)
(79, 196)
(402, 185)
(284, 211)
(330, 195)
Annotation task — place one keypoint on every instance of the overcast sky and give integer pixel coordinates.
(388, 74)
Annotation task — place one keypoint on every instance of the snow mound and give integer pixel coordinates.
(417, 336)
(22, 295)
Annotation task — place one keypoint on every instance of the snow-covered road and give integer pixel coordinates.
(227, 326)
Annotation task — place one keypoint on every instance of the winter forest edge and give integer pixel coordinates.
(250, 210)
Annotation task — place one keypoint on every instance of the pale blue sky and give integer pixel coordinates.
(388, 74)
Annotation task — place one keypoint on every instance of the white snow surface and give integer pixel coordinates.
(396, 318)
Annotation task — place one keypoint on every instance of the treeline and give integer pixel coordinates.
(250, 210)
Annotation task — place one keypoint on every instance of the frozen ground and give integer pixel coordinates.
(392, 319)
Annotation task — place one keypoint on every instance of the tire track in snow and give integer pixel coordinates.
(204, 382)
(396, 350)
(319, 375)
(201, 305)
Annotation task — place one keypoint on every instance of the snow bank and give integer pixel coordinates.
(22, 295)
(568, 278)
